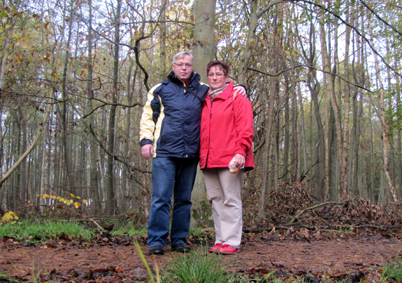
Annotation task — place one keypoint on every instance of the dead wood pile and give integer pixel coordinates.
(294, 206)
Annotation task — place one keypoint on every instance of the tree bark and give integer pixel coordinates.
(64, 117)
(93, 165)
(245, 60)
(110, 176)
(164, 3)
(384, 129)
(203, 52)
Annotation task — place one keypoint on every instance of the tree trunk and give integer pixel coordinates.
(93, 164)
(64, 117)
(334, 104)
(245, 60)
(344, 148)
(162, 25)
(203, 52)
(286, 141)
(272, 100)
(318, 147)
(111, 199)
(204, 35)
(384, 129)
(8, 38)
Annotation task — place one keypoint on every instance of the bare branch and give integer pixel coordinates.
(105, 103)
(297, 66)
(346, 23)
(381, 19)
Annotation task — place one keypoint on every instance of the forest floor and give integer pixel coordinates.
(297, 240)
(316, 258)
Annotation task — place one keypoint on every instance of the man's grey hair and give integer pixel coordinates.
(181, 55)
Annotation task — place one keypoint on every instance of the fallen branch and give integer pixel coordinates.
(311, 208)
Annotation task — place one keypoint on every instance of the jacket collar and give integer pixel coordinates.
(194, 78)
(227, 92)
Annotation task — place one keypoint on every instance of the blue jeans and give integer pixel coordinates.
(171, 176)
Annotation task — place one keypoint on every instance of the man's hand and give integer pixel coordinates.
(240, 90)
(147, 150)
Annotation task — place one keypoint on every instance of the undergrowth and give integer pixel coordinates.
(36, 230)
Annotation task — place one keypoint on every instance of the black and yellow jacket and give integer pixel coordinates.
(171, 117)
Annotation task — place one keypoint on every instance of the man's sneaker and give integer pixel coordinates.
(227, 250)
(181, 248)
(156, 250)
(214, 248)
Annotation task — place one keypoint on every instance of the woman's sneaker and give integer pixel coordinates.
(227, 250)
(214, 248)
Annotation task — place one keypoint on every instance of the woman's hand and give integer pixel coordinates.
(240, 160)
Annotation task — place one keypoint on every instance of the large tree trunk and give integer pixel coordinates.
(203, 52)
(204, 35)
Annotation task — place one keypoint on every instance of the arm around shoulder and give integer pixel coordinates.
(243, 112)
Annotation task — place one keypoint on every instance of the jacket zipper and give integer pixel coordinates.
(209, 135)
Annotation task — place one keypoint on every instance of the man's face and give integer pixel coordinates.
(183, 68)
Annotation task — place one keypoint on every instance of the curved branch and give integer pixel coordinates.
(277, 74)
(270, 6)
(29, 149)
(104, 103)
(381, 19)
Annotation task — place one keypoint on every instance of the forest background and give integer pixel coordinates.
(323, 78)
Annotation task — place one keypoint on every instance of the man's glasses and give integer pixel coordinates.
(183, 64)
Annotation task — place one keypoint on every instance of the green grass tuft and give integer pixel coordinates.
(197, 266)
(392, 271)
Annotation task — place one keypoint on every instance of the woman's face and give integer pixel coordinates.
(217, 77)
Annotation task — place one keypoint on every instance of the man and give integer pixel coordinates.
(170, 132)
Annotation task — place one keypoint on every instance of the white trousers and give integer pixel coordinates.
(224, 193)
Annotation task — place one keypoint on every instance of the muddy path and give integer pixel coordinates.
(352, 259)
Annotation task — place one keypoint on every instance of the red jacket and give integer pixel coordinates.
(226, 129)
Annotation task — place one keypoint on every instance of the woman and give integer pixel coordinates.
(226, 137)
